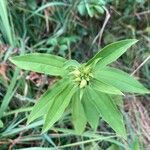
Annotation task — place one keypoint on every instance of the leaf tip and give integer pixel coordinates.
(28, 122)
(123, 94)
(135, 40)
(44, 130)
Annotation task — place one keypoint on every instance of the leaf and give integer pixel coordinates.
(99, 9)
(118, 100)
(71, 64)
(89, 9)
(10, 93)
(1, 124)
(5, 26)
(78, 115)
(42, 63)
(82, 8)
(58, 107)
(108, 111)
(46, 100)
(120, 80)
(104, 87)
(91, 112)
(111, 52)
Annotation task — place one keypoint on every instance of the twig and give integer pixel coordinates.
(99, 35)
(46, 12)
(140, 65)
(142, 13)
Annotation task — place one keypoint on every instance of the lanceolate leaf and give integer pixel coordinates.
(42, 63)
(91, 112)
(58, 107)
(104, 87)
(78, 115)
(46, 100)
(112, 52)
(120, 80)
(108, 111)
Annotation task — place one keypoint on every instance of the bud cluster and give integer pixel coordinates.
(82, 75)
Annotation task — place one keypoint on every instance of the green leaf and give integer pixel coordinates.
(118, 100)
(10, 93)
(120, 80)
(71, 64)
(42, 63)
(58, 107)
(104, 87)
(78, 115)
(89, 9)
(46, 100)
(108, 111)
(1, 124)
(6, 27)
(91, 112)
(111, 52)
(99, 9)
(82, 8)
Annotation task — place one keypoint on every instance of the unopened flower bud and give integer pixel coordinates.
(76, 72)
(83, 83)
(78, 79)
(91, 75)
(87, 70)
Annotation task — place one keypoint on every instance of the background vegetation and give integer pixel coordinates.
(72, 29)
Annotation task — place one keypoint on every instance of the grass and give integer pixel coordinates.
(26, 28)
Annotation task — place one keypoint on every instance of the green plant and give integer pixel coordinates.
(91, 7)
(6, 26)
(61, 44)
(90, 89)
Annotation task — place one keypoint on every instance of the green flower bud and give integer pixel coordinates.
(76, 73)
(87, 78)
(83, 83)
(77, 79)
(90, 75)
(86, 70)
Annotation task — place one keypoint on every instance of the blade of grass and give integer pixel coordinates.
(9, 94)
(18, 111)
(6, 28)
(50, 4)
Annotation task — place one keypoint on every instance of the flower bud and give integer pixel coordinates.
(76, 73)
(86, 70)
(77, 79)
(83, 83)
